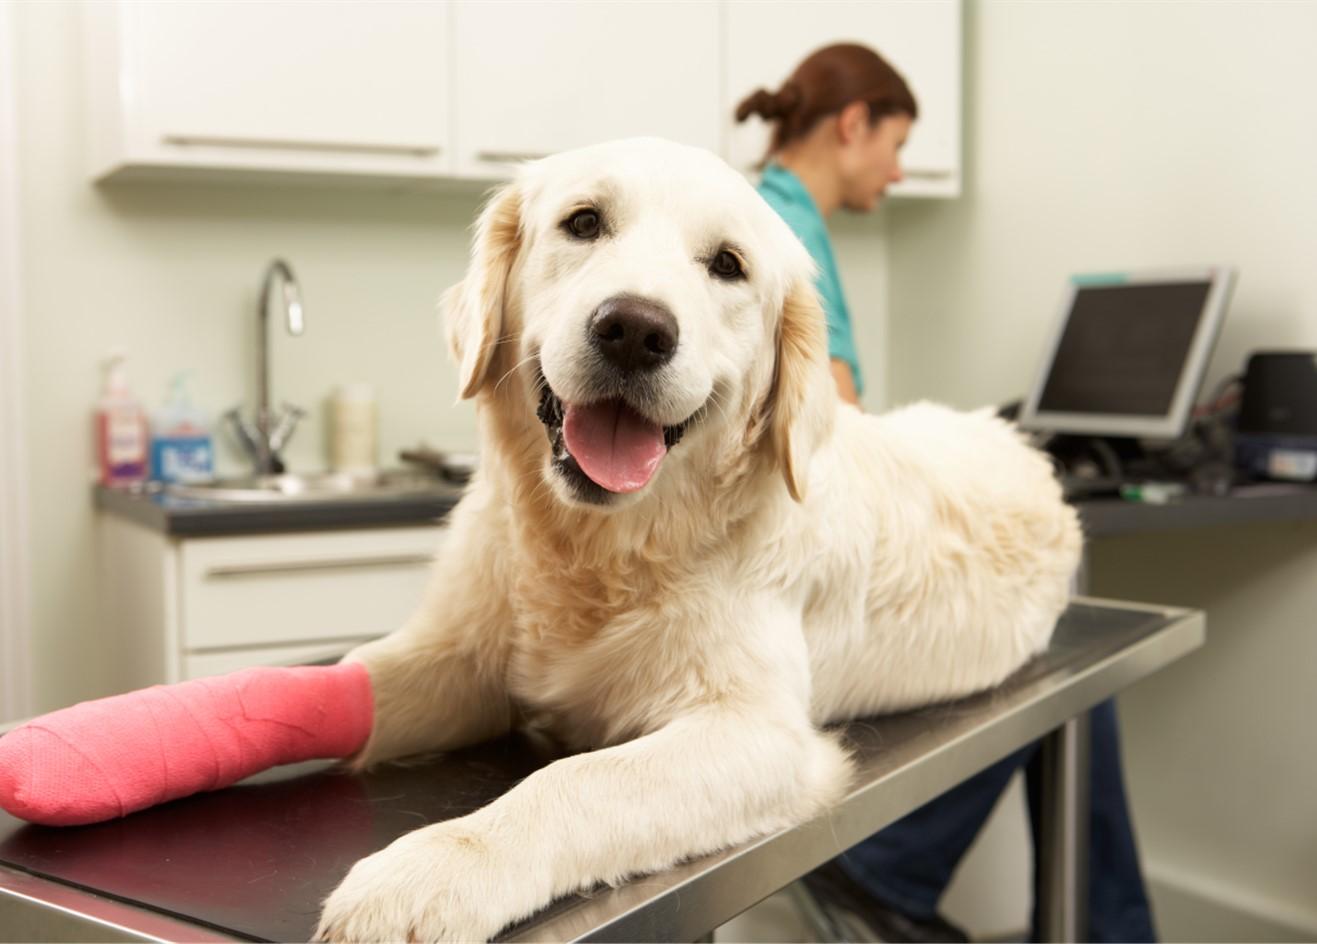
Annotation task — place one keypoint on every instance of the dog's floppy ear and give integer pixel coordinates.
(803, 399)
(473, 308)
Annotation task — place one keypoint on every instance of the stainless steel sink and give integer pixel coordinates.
(323, 486)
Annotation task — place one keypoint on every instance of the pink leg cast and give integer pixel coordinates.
(110, 757)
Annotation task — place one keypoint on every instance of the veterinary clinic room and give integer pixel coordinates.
(685, 471)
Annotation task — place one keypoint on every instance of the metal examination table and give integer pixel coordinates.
(252, 862)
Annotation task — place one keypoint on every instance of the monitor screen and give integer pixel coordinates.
(1129, 352)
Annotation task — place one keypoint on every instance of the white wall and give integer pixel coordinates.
(171, 271)
(1106, 135)
(1110, 135)
(15, 665)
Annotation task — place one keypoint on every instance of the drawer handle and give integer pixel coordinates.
(332, 147)
(346, 563)
(509, 157)
(927, 174)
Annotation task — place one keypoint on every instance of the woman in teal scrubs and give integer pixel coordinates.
(839, 123)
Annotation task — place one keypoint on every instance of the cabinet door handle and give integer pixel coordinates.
(509, 157)
(927, 174)
(343, 563)
(276, 144)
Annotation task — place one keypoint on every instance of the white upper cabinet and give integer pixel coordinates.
(349, 87)
(920, 38)
(428, 90)
(534, 77)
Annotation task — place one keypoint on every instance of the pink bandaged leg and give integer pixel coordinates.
(110, 757)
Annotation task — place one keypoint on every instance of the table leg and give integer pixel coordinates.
(1062, 856)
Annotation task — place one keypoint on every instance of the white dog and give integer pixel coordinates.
(681, 554)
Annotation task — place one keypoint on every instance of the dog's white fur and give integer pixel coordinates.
(792, 563)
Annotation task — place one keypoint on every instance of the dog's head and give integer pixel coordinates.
(657, 314)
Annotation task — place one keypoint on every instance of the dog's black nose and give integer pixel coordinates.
(634, 333)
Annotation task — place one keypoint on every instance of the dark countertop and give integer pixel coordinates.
(1102, 517)
(254, 861)
(1245, 504)
(189, 517)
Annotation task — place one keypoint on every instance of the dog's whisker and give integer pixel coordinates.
(540, 486)
(721, 408)
(515, 367)
(495, 342)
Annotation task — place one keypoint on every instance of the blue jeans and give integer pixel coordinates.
(908, 865)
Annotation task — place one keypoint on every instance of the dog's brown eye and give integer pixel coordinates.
(725, 265)
(583, 224)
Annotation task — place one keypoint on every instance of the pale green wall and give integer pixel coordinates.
(1101, 136)
(1107, 135)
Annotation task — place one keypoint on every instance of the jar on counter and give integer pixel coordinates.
(352, 429)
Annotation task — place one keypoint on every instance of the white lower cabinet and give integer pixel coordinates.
(183, 608)
(222, 661)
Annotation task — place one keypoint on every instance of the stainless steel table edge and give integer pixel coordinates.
(77, 915)
(688, 902)
(1157, 609)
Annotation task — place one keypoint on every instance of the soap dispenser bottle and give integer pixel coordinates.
(180, 438)
(121, 429)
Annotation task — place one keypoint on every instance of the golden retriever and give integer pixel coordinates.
(682, 554)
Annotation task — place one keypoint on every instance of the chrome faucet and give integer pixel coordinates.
(265, 439)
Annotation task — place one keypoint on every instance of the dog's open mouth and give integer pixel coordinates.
(607, 444)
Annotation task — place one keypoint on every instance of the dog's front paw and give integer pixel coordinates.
(445, 882)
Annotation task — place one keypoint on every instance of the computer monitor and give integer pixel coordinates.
(1128, 353)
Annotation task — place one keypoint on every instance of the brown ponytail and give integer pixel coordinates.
(771, 106)
(823, 84)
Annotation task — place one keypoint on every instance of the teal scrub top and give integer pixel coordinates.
(788, 196)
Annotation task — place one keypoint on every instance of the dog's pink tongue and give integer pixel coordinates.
(617, 447)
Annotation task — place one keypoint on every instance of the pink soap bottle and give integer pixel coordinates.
(122, 438)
